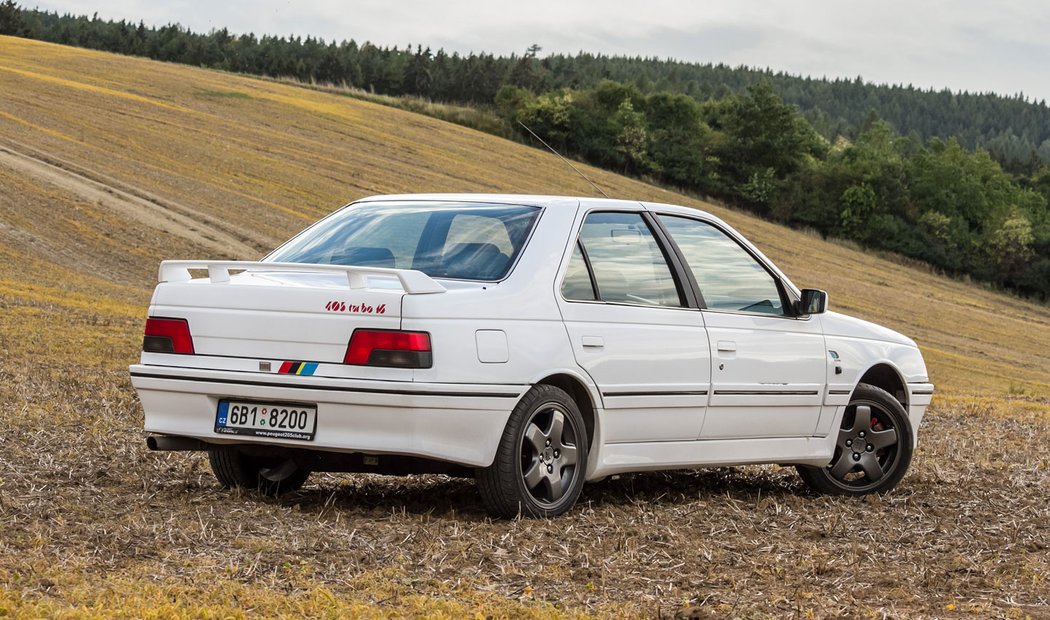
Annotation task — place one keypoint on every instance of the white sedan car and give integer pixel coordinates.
(532, 342)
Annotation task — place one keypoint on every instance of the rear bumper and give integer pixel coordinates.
(458, 423)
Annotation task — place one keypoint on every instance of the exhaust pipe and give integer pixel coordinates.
(165, 443)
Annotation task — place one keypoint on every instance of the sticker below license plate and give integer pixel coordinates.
(265, 419)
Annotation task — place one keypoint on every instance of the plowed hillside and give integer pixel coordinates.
(110, 164)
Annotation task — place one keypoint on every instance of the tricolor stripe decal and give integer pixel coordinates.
(298, 368)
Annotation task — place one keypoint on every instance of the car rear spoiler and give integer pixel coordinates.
(412, 281)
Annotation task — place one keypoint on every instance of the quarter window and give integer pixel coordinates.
(626, 261)
(577, 285)
(730, 279)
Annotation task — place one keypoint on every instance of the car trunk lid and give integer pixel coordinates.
(284, 312)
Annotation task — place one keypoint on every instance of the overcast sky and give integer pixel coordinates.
(972, 45)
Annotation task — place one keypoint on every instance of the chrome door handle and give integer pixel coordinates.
(592, 341)
(726, 345)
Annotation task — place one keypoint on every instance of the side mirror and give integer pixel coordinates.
(813, 302)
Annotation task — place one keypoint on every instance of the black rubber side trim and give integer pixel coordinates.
(765, 393)
(324, 388)
(923, 392)
(696, 393)
(840, 392)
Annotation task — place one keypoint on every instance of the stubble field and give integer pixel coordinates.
(110, 164)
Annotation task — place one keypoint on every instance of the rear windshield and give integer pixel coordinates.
(460, 241)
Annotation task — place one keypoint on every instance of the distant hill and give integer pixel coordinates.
(1014, 129)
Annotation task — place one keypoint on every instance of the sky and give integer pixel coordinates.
(971, 45)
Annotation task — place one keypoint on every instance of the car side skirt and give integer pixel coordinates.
(653, 456)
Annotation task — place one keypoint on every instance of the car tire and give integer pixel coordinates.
(266, 475)
(873, 449)
(541, 461)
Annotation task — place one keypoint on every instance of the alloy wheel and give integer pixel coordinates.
(548, 455)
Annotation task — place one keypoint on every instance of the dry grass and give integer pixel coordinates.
(109, 164)
(480, 118)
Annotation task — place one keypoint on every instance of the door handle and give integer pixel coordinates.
(726, 345)
(592, 341)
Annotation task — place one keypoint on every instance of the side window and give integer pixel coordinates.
(730, 279)
(577, 285)
(628, 264)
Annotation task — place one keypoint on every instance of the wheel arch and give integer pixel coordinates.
(580, 392)
(886, 376)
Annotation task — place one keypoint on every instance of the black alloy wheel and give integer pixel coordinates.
(873, 449)
(541, 460)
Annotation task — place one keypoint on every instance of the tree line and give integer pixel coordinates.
(958, 180)
(1013, 129)
(935, 201)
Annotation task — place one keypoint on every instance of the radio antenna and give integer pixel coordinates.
(567, 162)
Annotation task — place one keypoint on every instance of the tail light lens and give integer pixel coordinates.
(167, 336)
(394, 349)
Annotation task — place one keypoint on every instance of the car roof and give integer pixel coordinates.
(572, 202)
(537, 200)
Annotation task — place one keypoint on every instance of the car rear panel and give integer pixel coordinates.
(273, 318)
(281, 335)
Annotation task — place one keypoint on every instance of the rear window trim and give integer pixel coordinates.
(510, 268)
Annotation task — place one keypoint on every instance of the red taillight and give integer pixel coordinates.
(373, 347)
(167, 336)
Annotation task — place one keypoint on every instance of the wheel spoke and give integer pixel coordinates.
(843, 465)
(862, 419)
(556, 429)
(557, 489)
(883, 439)
(536, 437)
(871, 467)
(535, 474)
(568, 455)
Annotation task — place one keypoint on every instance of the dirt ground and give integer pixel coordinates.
(83, 502)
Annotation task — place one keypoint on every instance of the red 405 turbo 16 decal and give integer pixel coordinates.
(342, 306)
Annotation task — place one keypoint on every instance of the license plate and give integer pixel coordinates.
(264, 419)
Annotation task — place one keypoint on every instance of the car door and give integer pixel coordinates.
(635, 328)
(768, 367)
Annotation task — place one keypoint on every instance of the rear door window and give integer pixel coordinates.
(626, 261)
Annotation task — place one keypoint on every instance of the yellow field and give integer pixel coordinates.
(110, 164)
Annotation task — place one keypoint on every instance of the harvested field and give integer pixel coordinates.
(110, 164)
